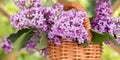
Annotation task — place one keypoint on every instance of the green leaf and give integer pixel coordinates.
(91, 18)
(13, 37)
(112, 39)
(98, 38)
(22, 40)
(43, 40)
(85, 44)
(27, 38)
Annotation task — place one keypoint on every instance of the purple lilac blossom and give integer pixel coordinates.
(27, 4)
(6, 45)
(118, 39)
(69, 25)
(103, 22)
(50, 16)
(21, 3)
(19, 20)
(39, 18)
(117, 31)
(36, 34)
(36, 3)
(31, 45)
(58, 7)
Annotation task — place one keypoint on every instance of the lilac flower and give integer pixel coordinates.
(36, 35)
(27, 4)
(42, 18)
(58, 7)
(36, 3)
(102, 22)
(117, 30)
(118, 39)
(39, 18)
(31, 45)
(19, 20)
(104, 8)
(69, 25)
(6, 45)
(21, 4)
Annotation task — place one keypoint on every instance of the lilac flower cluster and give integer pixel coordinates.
(58, 7)
(53, 20)
(32, 43)
(6, 45)
(69, 25)
(117, 30)
(27, 4)
(19, 21)
(39, 18)
(102, 22)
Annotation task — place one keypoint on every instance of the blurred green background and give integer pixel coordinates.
(6, 28)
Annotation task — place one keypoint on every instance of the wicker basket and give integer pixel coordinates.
(69, 50)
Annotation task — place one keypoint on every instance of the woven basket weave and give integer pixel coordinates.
(69, 50)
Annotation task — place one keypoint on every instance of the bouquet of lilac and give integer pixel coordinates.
(104, 24)
(39, 23)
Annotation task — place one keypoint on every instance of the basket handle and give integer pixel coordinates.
(73, 5)
(62, 1)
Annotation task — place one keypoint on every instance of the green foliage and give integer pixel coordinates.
(43, 40)
(92, 18)
(21, 38)
(99, 38)
(13, 37)
(112, 39)
(85, 44)
(26, 56)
